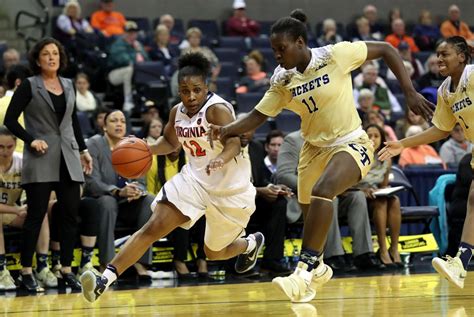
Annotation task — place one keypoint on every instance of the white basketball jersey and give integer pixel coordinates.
(192, 134)
(10, 182)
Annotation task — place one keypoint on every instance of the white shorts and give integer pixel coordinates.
(226, 215)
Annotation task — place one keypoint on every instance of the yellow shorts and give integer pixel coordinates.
(313, 161)
(7, 219)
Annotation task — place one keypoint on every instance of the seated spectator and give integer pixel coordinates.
(410, 119)
(455, 148)
(168, 21)
(99, 116)
(359, 78)
(124, 52)
(432, 77)
(12, 213)
(194, 35)
(161, 51)
(454, 26)
(366, 102)
(407, 55)
(426, 33)
(10, 57)
(149, 112)
(329, 34)
(15, 75)
(384, 99)
(377, 28)
(255, 78)
(108, 21)
(456, 211)
(386, 211)
(398, 35)
(419, 155)
(363, 30)
(375, 117)
(86, 101)
(239, 24)
(118, 198)
(153, 131)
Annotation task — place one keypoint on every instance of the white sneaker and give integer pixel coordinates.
(322, 274)
(46, 278)
(297, 286)
(451, 269)
(7, 283)
(57, 270)
(87, 267)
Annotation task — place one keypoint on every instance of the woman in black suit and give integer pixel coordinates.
(53, 154)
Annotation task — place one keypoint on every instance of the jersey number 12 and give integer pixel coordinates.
(195, 149)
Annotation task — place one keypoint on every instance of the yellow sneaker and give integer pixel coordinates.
(451, 269)
(297, 285)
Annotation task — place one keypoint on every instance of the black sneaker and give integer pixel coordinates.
(69, 280)
(28, 282)
(92, 285)
(246, 262)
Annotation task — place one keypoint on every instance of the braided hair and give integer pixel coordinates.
(460, 45)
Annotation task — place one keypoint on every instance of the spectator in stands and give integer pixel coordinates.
(168, 21)
(15, 75)
(194, 35)
(255, 79)
(125, 52)
(407, 55)
(153, 131)
(239, 24)
(454, 26)
(118, 198)
(161, 51)
(108, 21)
(376, 117)
(54, 156)
(407, 121)
(99, 116)
(394, 14)
(419, 155)
(329, 34)
(359, 78)
(426, 33)
(13, 211)
(459, 202)
(398, 35)
(86, 101)
(384, 99)
(270, 213)
(432, 78)
(365, 101)
(385, 209)
(10, 57)
(163, 168)
(377, 28)
(149, 112)
(351, 205)
(455, 148)
(363, 30)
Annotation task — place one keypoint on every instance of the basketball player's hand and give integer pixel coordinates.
(214, 165)
(214, 133)
(419, 105)
(86, 162)
(369, 193)
(391, 149)
(39, 146)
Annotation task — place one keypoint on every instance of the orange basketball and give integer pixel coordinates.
(131, 157)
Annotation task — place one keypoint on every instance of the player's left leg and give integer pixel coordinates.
(455, 269)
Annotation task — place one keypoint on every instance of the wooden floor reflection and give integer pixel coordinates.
(394, 295)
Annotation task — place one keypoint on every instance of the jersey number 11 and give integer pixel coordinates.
(311, 108)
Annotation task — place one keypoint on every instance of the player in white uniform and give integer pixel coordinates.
(215, 182)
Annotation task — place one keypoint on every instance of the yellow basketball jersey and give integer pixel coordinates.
(457, 106)
(10, 182)
(321, 95)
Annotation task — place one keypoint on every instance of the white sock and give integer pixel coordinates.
(110, 276)
(251, 243)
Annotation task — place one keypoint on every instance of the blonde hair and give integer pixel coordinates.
(363, 93)
(193, 30)
(71, 3)
(256, 56)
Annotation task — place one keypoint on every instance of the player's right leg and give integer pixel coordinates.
(165, 218)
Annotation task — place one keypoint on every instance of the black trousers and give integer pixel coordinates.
(179, 238)
(89, 218)
(37, 195)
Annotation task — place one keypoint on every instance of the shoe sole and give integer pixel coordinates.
(256, 257)
(324, 278)
(280, 285)
(88, 282)
(441, 271)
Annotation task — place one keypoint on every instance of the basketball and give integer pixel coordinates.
(131, 157)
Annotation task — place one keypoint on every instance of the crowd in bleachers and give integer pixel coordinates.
(125, 77)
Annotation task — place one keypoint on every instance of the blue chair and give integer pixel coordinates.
(227, 54)
(150, 71)
(236, 42)
(85, 124)
(209, 28)
(246, 102)
(229, 69)
(226, 88)
(265, 27)
(142, 22)
(270, 62)
(288, 121)
(260, 42)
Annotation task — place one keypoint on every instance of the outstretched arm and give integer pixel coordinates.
(416, 102)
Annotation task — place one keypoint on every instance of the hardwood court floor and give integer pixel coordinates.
(387, 295)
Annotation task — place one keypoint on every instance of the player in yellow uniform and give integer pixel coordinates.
(455, 105)
(316, 84)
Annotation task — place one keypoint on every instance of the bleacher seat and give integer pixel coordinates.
(85, 124)
(265, 27)
(209, 28)
(246, 102)
(149, 71)
(236, 42)
(288, 121)
(229, 69)
(226, 88)
(260, 42)
(142, 22)
(270, 62)
(227, 54)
